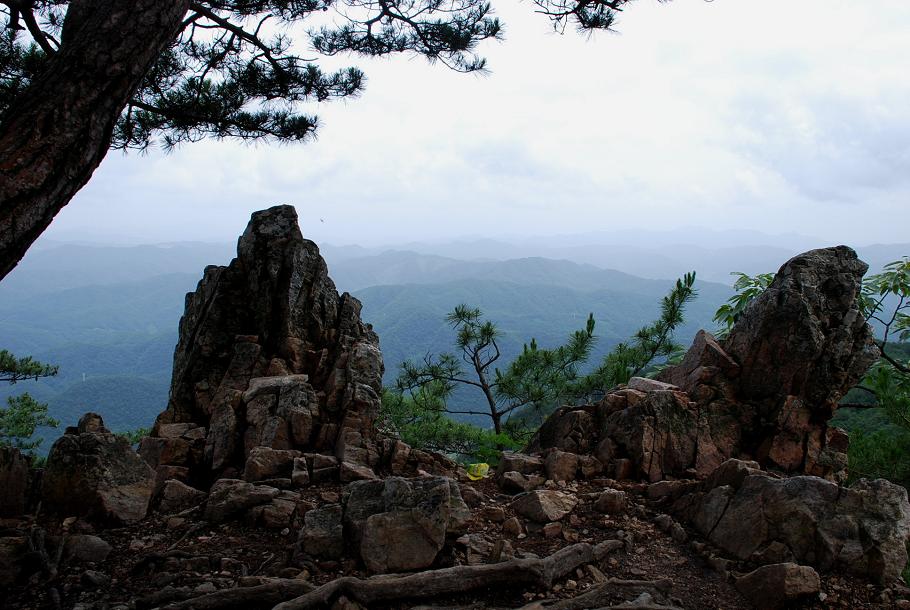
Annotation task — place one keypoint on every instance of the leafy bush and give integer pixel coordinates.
(881, 454)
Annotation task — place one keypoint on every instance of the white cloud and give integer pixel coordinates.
(760, 114)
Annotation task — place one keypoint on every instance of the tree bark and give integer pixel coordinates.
(58, 131)
(457, 579)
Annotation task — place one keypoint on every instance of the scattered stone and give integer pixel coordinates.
(84, 548)
(515, 482)
(643, 384)
(277, 514)
(354, 472)
(611, 502)
(492, 513)
(552, 530)
(95, 580)
(521, 463)
(471, 496)
(512, 527)
(330, 497)
(205, 588)
(544, 506)
(596, 575)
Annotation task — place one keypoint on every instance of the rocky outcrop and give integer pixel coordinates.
(766, 393)
(754, 516)
(269, 355)
(93, 473)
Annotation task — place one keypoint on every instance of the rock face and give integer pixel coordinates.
(766, 393)
(753, 516)
(14, 481)
(93, 473)
(269, 355)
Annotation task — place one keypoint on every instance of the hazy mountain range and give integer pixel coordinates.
(108, 315)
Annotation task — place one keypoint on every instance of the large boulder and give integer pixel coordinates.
(753, 516)
(777, 585)
(765, 393)
(399, 524)
(269, 355)
(93, 473)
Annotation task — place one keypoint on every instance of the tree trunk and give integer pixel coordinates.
(495, 415)
(58, 131)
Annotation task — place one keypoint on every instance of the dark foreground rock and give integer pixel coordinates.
(93, 473)
(14, 482)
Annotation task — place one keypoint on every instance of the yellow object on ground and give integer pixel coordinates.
(478, 471)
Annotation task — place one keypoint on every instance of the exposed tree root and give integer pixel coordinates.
(459, 579)
(601, 595)
(243, 598)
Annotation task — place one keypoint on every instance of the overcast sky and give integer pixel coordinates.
(771, 115)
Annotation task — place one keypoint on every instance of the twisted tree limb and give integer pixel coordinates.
(600, 596)
(246, 598)
(459, 579)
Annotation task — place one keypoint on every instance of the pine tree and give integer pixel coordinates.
(532, 385)
(23, 414)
